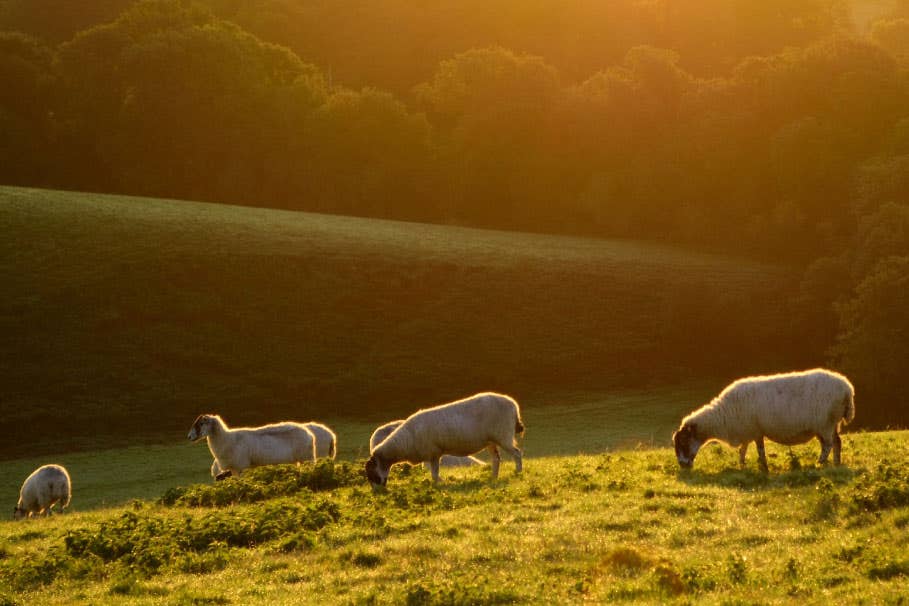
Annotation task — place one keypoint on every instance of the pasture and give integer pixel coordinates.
(123, 318)
(584, 424)
(622, 526)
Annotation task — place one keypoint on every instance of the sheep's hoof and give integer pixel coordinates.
(223, 475)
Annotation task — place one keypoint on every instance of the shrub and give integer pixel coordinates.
(886, 488)
(263, 483)
(429, 594)
(150, 542)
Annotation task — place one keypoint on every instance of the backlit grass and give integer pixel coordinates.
(620, 527)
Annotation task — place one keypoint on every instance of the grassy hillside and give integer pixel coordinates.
(590, 424)
(620, 527)
(124, 318)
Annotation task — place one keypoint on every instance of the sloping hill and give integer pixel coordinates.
(124, 316)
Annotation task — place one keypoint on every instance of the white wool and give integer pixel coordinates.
(383, 431)
(326, 440)
(789, 408)
(42, 489)
(485, 420)
(238, 449)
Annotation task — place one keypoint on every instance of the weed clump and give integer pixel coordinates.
(478, 594)
(264, 483)
(146, 544)
(886, 488)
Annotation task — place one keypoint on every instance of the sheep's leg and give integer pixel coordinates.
(434, 468)
(826, 446)
(742, 450)
(496, 459)
(762, 454)
(837, 447)
(516, 454)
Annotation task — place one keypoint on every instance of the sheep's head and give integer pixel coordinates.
(202, 427)
(376, 471)
(19, 513)
(687, 445)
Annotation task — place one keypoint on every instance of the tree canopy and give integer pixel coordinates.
(764, 128)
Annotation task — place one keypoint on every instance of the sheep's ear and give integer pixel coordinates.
(693, 428)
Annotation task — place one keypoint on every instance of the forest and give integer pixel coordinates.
(767, 129)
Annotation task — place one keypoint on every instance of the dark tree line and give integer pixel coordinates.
(763, 128)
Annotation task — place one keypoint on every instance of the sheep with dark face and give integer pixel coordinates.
(42, 489)
(238, 449)
(383, 431)
(485, 420)
(789, 408)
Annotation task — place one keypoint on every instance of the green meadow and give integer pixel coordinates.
(124, 318)
(623, 526)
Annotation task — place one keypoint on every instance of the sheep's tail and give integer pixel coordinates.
(849, 412)
(518, 425)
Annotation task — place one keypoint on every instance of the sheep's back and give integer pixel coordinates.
(787, 406)
(277, 444)
(45, 485)
(466, 424)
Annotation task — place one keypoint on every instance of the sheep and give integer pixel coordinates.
(326, 440)
(237, 449)
(44, 488)
(326, 446)
(485, 420)
(789, 408)
(383, 431)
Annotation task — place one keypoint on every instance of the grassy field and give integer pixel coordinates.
(123, 318)
(614, 527)
(582, 424)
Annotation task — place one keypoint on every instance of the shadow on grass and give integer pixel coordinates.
(754, 479)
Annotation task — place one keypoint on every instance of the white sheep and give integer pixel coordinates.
(485, 420)
(789, 408)
(326, 440)
(45, 487)
(237, 449)
(326, 445)
(383, 431)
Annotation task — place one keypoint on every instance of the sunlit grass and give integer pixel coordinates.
(624, 526)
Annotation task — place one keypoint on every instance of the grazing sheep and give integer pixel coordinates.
(384, 431)
(326, 446)
(45, 487)
(486, 420)
(788, 408)
(238, 449)
(326, 440)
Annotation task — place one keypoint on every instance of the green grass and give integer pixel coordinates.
(617, 527)
(123, 318)
(582, 424)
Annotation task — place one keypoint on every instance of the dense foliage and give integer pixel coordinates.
(755, 134)
(769, 128)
